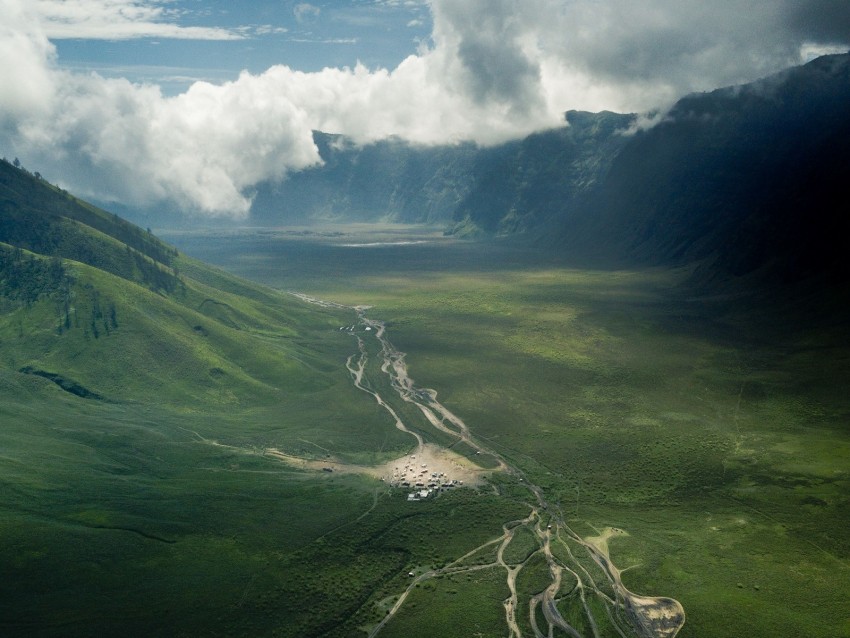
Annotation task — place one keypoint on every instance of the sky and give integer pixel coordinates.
(189, 104)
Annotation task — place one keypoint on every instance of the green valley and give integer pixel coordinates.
(139, 496)
(711, 430)
(620, 411)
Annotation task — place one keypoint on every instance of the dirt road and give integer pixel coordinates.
(629, 614)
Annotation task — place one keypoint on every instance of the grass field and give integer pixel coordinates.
(714, 432)
(120, 519)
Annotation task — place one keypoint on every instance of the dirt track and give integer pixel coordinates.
(631, 614)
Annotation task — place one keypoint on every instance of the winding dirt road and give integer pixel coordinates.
(627, 614)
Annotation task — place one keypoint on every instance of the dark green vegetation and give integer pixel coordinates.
(712, 429)
(462, 605)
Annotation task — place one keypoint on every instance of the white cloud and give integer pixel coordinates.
(109, 138)
(494, 69)
(811, 50)
(325, 40)
(410, 4)
(306, 12)
(269, 29)
(201, 150)
(25, 53)
(119, 20)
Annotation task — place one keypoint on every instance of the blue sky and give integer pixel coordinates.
(192, 103)
(304, 36)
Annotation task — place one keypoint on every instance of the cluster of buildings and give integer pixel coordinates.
(423, 482)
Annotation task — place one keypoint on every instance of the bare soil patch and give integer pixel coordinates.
(418, 467)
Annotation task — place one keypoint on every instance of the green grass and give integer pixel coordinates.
(716, 439)
(159, 489)
(103, 508)
(466, 605)
(522, 545)
(534, 577)
(633, 405)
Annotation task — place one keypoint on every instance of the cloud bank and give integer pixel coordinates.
(493, 70)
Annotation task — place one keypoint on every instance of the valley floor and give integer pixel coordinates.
(711, 430)
(619, 436)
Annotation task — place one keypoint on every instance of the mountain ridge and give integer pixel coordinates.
(749, 176)
(724, 177)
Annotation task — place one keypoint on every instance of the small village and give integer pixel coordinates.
(423, 482)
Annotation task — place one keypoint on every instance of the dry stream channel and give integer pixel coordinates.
(570, 558)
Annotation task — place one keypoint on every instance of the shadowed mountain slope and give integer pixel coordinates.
(752, 177)
(388, 180)
(545, 175)
(749, 179)
(504, 189)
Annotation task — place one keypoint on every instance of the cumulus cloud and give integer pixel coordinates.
(108, 138)
(25, 53)
(202, 150)
(487, 51)
(493, 70)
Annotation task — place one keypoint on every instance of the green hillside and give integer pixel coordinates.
(89, 297)
(140, 392)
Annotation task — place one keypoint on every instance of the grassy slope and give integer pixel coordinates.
(151, 510)
(718, 440)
